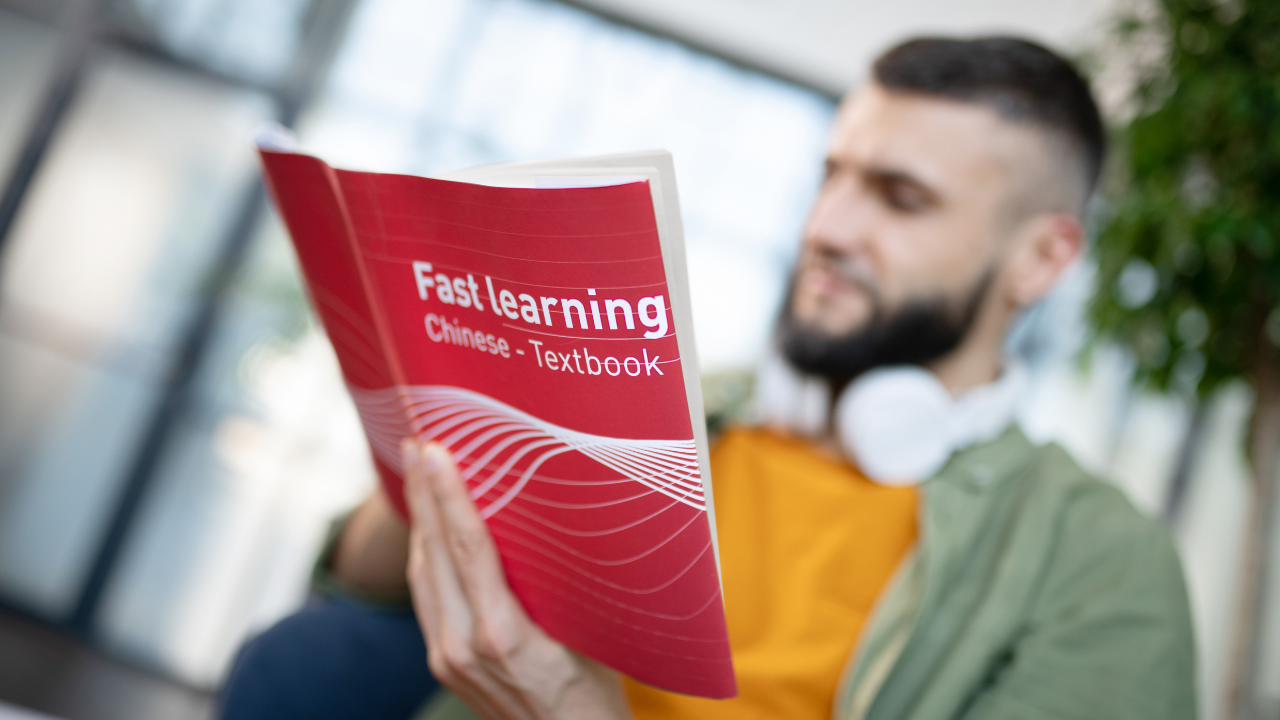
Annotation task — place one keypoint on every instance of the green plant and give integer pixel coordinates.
(1189, 254)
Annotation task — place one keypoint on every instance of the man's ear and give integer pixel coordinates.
(1044, 249)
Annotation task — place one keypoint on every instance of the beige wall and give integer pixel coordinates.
(828, 43)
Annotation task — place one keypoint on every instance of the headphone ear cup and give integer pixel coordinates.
(895, 424)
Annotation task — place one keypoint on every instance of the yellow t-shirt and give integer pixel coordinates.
(806, 544)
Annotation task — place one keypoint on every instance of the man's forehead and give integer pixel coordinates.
(937, 140)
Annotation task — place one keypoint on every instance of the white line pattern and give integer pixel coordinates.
(493, 441)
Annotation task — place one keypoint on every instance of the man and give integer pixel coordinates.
(1005, 584)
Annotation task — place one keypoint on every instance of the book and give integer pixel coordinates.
(534, 319)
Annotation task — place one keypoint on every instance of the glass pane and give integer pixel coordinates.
(274, 450)
(104, 266)
(427, 88)
(249, 39)
(27, 50)
(247, 486)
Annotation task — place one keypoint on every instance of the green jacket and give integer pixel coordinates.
(1035, 592)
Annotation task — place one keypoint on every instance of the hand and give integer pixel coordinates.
(373, 550)
(480, 642)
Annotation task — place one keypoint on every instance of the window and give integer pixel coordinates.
(270, 449)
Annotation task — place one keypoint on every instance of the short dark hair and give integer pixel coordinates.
(1019, 79)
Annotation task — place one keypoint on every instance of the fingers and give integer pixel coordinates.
(501, 618)
(481, 643)
(440, 495)
(441, 603)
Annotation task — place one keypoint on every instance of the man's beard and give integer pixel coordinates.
(917, 334)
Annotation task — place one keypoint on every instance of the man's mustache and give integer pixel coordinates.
(848, 268)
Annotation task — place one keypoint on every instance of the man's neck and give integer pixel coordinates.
(979, 359)
(961, 375)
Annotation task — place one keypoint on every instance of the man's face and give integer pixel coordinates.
(909, 221)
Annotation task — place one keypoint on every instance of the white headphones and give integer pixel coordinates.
(898, 423)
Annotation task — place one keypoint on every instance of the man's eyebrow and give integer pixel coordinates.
(891, 174)
(895, 176)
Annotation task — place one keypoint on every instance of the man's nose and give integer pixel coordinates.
(842, 218)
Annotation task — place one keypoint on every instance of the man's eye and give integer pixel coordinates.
(905, 198)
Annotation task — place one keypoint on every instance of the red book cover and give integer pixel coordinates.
(534, 333)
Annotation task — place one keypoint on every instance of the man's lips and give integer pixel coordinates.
(825, 282)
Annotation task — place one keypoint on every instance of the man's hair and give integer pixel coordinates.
(1020, 80)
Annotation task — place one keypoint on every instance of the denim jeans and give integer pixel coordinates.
(332, 660)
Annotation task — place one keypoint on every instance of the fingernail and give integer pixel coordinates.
(434, 457)
(408, 453)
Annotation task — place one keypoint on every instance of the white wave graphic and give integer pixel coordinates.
(492, 441)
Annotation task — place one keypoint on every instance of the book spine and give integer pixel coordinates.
(366, 284)
(309, 197)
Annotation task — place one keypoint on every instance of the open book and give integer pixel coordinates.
(534, 318)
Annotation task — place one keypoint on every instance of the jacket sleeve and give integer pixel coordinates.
(1109, 634)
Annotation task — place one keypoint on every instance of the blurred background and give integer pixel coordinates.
(174, 435)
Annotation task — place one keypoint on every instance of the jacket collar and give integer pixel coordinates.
(985, 467)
